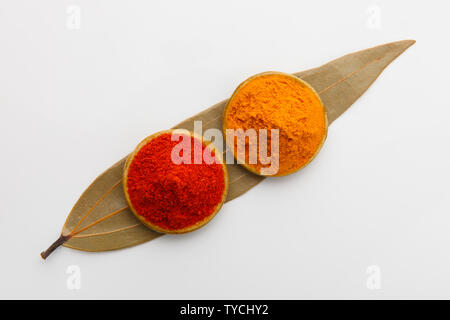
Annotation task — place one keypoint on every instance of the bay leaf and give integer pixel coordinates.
(101, 219)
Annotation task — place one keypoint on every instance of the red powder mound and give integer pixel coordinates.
(173, 196)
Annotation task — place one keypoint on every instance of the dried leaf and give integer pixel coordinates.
(101, 220)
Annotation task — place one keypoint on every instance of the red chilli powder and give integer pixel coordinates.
(173, 196)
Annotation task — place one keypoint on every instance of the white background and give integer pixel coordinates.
(74, 101)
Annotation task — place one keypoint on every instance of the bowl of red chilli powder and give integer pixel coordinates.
(175, 181)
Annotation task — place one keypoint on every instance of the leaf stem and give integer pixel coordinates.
(56, 244)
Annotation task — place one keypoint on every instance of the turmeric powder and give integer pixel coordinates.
(274, 100)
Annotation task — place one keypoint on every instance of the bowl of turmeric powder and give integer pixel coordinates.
(274, 118)
(172, 188)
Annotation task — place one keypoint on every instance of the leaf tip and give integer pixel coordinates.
(408, 43)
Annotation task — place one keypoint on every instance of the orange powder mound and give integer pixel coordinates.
(284, 102)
